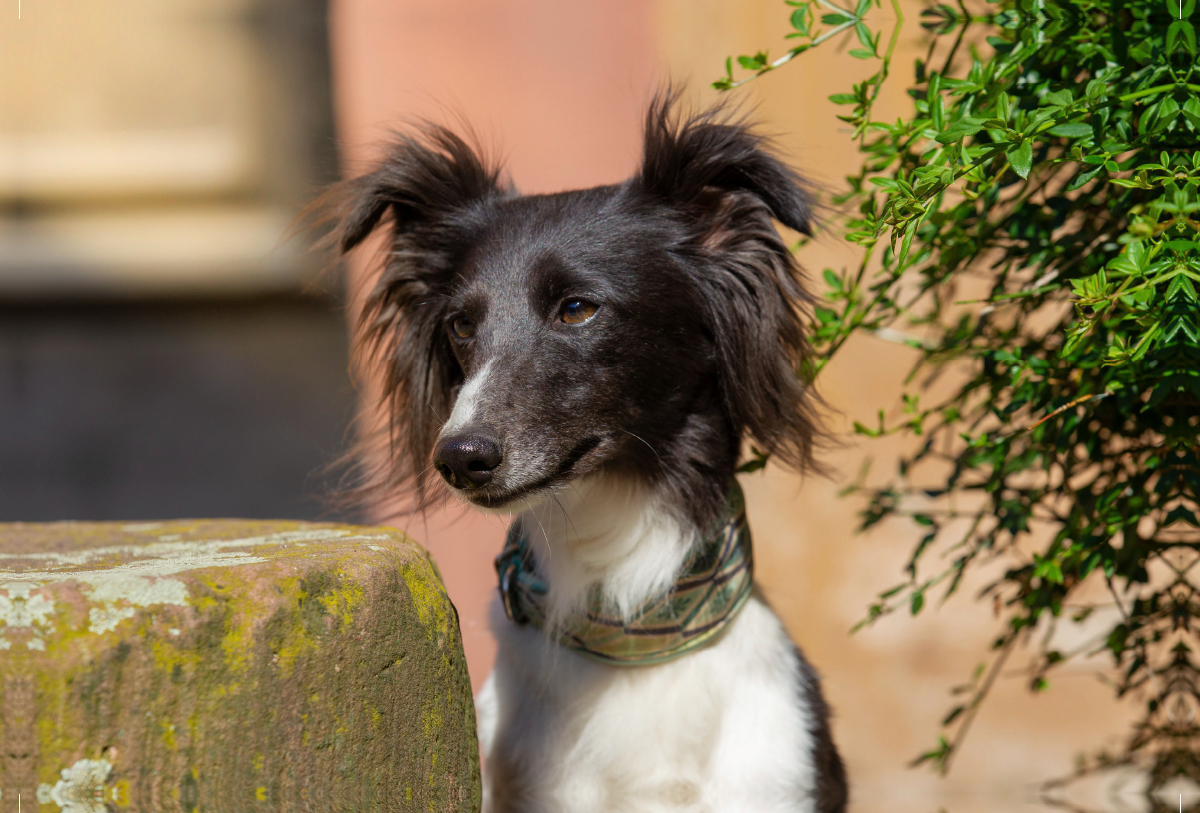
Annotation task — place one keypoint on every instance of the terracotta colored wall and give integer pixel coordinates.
(559, 86)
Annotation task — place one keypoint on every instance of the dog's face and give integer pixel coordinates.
(641, 329)
(580, 341)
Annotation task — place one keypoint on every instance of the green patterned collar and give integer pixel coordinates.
(713, 586)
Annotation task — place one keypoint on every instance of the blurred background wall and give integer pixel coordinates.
(163, 351)
(163, 348)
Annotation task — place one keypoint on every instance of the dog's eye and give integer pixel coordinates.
(463, 327)
(576, 312)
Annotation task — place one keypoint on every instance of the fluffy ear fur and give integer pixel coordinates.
(425, 188)
(727, 185)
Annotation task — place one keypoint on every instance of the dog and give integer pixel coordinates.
(593, 362)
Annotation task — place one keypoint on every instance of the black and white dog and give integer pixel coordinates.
(592, 361)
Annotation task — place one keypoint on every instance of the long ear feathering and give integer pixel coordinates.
(723, 178)
(422, 192)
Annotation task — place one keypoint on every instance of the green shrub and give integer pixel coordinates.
(1052, 153)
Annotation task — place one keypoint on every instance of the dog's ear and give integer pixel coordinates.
(694, 161)
(421, 178)
(423, 192)
(724, 185)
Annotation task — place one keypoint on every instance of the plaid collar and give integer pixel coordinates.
(706, 596)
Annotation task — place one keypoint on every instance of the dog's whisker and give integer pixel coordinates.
(643, 440)
(546, 536)
(566, 515)
(573, 488)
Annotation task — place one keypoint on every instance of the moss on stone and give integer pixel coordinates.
(221, 666)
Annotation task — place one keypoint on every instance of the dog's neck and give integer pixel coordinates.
(610, 533)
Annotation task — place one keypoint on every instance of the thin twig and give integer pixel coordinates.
(1081, 399)
(977, 702)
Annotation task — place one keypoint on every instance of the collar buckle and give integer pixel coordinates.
(508, 567)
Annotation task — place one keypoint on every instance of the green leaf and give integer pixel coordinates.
(800, 20)
(1002, 106)
(864, 36)
(937, 756)
(727, 82)
(1073, 130)
(1083, 178)
(753, 63)
(1181, 36)
(1021, 158)
(757, 461)
(863, 429)
(906, 244)
(751, 466)
(1058, 98)
(825, 315)
(1180, 10)
(966, 126)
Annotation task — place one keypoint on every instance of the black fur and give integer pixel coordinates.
(832, 791)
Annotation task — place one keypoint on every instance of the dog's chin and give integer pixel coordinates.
(508, 501)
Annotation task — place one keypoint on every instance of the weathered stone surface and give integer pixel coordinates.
(229, 666)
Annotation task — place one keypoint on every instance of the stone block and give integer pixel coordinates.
(227, 666)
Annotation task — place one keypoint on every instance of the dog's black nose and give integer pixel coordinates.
(467, 461)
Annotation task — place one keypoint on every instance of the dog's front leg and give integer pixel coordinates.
(487, 715)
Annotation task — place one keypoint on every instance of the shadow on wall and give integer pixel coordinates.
(171, 410)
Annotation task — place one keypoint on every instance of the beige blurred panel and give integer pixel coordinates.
(195, 250)
(72, 166)
(114, 98)
(133, 152)
(889, 684)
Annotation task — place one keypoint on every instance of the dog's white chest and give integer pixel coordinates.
(722, 729)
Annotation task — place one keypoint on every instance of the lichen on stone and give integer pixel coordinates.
(81, 789)
(232, 665)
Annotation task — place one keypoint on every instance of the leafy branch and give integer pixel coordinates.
(1059, 164)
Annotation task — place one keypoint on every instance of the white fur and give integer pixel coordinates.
(719, 730)
(467, 401)
(605, 531)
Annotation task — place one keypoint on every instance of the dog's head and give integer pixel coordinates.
(641, 329)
